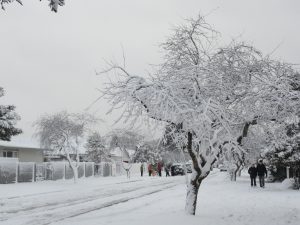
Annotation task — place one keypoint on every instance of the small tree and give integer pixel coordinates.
(96, 149)
(63, 133)
(147, 152)
(8, 120)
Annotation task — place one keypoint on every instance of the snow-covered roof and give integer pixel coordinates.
(117, 152)
(19, 145)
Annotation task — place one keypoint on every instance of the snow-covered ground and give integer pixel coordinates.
(116, 201)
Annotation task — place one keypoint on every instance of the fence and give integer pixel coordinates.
(12, 171)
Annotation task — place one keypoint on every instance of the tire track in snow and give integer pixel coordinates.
(51, 192)
(74, 200)
(35, 211)
(109, 204)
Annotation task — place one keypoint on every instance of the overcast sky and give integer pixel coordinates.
(48, 60)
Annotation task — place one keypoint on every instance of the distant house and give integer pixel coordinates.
(23, 154)
(118, 155)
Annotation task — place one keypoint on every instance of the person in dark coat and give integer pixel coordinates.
(142, 169)
(159, 168)
(253, 174)
(150, 169)
(167, 169)
(261, 172)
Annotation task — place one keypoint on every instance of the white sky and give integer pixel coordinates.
(48, 60)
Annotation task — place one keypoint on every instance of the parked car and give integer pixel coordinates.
(177, 169)
(188, 168)
(222, 168)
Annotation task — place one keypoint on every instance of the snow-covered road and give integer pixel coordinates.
(145, 201)
(67, 200)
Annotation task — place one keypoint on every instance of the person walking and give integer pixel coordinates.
(159, 168)
(167, 169)
(142, 169)
(261, 172)
(150, 169)
(253, 174)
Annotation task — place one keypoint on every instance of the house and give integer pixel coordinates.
(119, 155)
(22, 153)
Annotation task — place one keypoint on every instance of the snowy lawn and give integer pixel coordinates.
(116, 200)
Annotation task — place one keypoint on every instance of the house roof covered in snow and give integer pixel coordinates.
(20, 146)
(117, 152)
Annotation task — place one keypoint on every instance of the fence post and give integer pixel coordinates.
(17, 171)
(93, 169)
(33, 171)
(84, 169)
(287, 172)
(64, 177)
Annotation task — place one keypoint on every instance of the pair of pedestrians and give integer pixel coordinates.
(260, 171)
(151, 170)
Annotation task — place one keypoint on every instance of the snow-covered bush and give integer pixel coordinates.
(287, 183)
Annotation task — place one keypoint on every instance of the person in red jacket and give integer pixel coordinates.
(159, 168)
(150, 169)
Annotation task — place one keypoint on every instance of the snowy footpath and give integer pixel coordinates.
(145, 201)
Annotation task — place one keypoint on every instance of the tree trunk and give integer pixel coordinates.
(75, 173)
(240, 171)
(234, 174)
(74, 168)
(195, 181)
(191, 197)
(184, 167)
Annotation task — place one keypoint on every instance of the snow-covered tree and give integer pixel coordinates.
(210, 95)
(180, 95)
(147, 152)
(283, 149)
(53, 4)
(63, 133)
(96, 148)
(8, 120)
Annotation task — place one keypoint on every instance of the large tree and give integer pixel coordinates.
(210, 95)
(8, 120)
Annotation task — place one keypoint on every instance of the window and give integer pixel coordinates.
(10, 154)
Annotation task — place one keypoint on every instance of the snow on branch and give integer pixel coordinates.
(53, 4)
